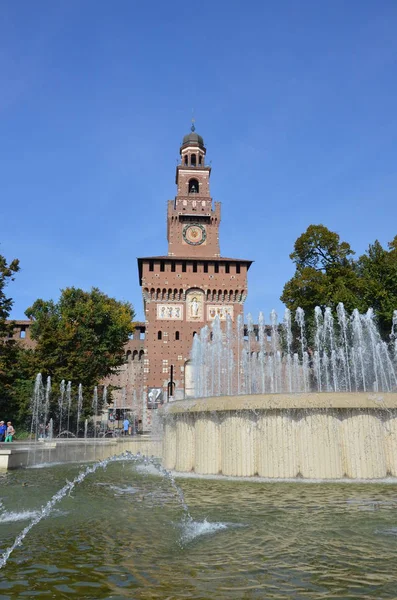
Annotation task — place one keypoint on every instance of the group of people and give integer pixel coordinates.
(6, 431)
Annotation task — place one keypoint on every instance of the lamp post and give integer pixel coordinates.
(171, 384)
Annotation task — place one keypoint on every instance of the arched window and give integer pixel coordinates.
(193, 186)
(159, 335)
(141, 354)
(193, 160)
(128, 356)
(186, 159)
(200, 159)
(134, 354)
(177, 335)
(194, 333)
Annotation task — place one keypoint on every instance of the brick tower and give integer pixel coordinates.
(186, 289)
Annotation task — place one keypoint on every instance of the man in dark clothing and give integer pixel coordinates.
(3, 429)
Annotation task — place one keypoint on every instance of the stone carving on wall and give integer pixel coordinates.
(220, 311)
(194, 305)
(170, 312)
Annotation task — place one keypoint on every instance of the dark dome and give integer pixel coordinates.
(193, 139)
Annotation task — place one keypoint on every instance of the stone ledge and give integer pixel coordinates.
(324, 400)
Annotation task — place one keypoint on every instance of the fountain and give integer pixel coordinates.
(272, 407)
(270, 404)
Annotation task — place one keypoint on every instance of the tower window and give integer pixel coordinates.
(193, 160)
(162, 266)
(184, 267)
(194, 333)
(237, 268)
(151, 266)
(227, 269)
(159, 335)
(200, 160)
(186, 160)
(194, 267)
(173, 267)
(193, 186)
(177, 335)
(205, 268)
(216, 268)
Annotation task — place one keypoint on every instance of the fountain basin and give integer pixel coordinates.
(280, 436)
(19, 454)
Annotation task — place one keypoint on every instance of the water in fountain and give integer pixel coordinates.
(68, 404)
(61, 398)
(47, 399)
(347, 353)
(70, 485)
(79, 407)
(95, 409)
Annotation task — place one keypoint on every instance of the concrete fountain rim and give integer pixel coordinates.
(298, 401)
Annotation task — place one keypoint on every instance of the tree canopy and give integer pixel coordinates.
(326, 274)
(8, 346)
(81, 337)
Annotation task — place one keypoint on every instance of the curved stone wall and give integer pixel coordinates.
(314, 436)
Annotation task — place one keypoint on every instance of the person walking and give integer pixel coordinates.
(3, 430)
(126, 425)
(10, 432)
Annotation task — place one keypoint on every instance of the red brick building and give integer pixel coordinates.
(192, 284)
(182, 291)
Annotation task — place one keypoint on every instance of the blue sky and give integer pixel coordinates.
(296, 102)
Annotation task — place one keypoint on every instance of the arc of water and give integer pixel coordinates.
(288, 338)
(68, 487)
(343, 324)
(79, 407)
(62, 390)
(69, 402)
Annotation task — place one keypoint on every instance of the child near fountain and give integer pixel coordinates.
(3, 430)
(10, 432)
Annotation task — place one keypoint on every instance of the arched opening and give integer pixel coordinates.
(193, 160)
(186, 160)
(194, 333)
(141, 354)
(159, 335)
(128, 356)
(134, 354)
(176, 335)
(200, 160)
(193, 186)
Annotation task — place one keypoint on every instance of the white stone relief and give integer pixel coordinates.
(220, 311)
(194, 305)
(170, 312)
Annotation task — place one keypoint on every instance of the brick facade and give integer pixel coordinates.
(185, 290)
(182, 292)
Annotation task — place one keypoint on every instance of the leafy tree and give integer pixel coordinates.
(378, 270)
(81, 337)
(325, 273)
(7, 344)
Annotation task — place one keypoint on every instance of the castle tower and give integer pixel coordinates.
(189, 287)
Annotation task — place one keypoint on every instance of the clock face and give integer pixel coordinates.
(194, 234)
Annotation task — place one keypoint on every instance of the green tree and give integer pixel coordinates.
(325, 272)
(377, 269)
(8, 346)
(81, 337)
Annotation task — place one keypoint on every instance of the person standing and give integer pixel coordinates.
(10, 432)
(3, 430)
(126, 425)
